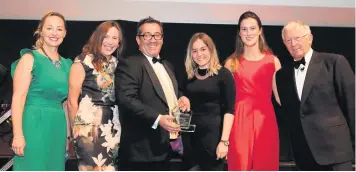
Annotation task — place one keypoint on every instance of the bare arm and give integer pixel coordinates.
(76, 78)
(222, 150)
(65, 108)
(228, 64)
(277, 65)
(21, 84)
(228, 120)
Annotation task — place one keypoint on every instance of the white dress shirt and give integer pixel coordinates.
(301, 72)
(163, 76)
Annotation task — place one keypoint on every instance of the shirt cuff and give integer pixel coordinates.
(155, 125)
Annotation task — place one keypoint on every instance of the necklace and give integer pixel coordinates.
(199, 74)
(56, 63)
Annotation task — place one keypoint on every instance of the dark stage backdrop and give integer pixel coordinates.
(18, 34)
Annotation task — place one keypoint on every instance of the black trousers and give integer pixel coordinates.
(345, 166)
(219, 166)
(144, 166)
(305, 160)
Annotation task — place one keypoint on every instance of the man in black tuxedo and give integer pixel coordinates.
(318, 97)
(5, 88)
(146, 90)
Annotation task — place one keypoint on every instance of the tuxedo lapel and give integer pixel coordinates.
(173, 78)
(156, 84)
(311, 76)
(292, 81)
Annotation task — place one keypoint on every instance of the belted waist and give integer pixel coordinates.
(49, 104)
(105, 105)
(253, 98)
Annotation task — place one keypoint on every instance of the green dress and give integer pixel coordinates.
(43, 120)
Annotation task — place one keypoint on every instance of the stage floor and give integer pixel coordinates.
(71, 165)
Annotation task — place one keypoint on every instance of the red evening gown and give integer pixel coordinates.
(254, 139)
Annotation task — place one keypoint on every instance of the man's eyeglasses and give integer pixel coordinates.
(296, 39)
(148, 36)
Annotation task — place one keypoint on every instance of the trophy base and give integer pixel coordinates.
(189, 129)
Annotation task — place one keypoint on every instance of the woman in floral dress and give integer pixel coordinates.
(91, 100)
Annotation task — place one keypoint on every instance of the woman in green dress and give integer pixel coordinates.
(40, 87)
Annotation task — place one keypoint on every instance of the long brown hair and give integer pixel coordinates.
(239, 47)
(93, 46)
(39, 39)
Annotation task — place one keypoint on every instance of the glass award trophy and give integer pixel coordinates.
(183, 119)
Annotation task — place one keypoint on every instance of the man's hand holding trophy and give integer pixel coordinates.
(182, 116)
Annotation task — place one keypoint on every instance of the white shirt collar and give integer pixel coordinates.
(149, 57)
(300, 73)
(308, 56)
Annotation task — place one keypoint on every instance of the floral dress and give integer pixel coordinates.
(97, 129)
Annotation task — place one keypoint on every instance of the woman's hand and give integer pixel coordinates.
(184, 104)
(221, 150)
(18, 145)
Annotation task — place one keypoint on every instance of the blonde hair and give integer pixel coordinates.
(39, 39)
(295, 24)
(191, 66)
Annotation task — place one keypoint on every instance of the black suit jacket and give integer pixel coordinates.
(5, 86)
(325, 115)
(141, 99)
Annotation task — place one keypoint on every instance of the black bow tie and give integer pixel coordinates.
(155, 60)
(296, 64)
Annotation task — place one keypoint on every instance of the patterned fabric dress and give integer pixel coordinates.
(97, 129)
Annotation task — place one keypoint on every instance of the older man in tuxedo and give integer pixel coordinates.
(318, 96)
(147, 90)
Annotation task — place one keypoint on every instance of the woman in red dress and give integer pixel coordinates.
(254, 138)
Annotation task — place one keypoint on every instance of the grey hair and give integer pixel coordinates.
(295, 24)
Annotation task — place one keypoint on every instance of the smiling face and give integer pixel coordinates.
(152, 42)
(201, 54)
(249, 32)
(53, 31)
(298, 41)
(110, 42)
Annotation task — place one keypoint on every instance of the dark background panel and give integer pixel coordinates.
(18, 34)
